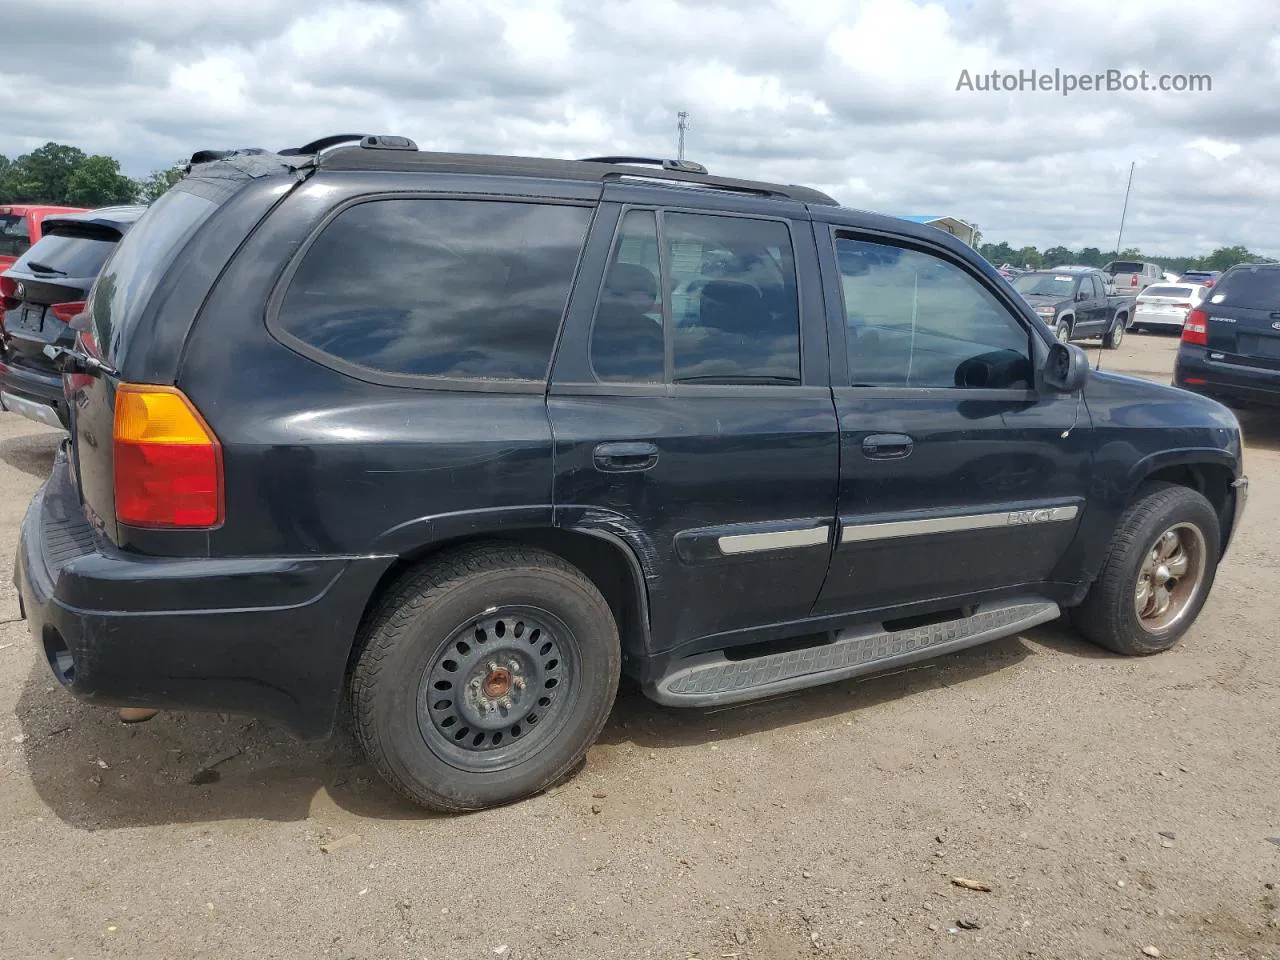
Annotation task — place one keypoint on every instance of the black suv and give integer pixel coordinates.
(463, 437)
(1230, 345)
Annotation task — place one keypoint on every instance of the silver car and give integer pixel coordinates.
(1131, 277)
(1165, 306)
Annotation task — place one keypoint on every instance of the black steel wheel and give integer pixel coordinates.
(484, 676)
(498, 688)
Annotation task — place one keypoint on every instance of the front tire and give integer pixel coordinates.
(484, 677)
(1157, 573)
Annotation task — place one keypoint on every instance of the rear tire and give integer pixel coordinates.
(1113, 337)
(1157, 573)
(484, 677)
(1062, 330)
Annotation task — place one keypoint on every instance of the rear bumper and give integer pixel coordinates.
(1230, 383)
(33, 394)
(268, 636)
(1164, 321)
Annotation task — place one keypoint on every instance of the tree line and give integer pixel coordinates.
(1222, 258)
(62, 175)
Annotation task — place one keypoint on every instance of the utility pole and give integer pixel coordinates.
(682, 124)
(1125, 208)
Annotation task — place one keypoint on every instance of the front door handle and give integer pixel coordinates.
(887, 446)
(625, 457)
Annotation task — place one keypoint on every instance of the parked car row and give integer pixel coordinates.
(42, 293)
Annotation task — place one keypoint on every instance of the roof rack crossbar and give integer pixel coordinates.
(684, 166)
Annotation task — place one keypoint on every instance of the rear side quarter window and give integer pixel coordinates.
(15, 234)
(405, 289)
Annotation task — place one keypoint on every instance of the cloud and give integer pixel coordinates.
(858, 98)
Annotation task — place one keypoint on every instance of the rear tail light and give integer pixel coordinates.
(1196, 329)
(1133, 280)
(168, 462)
(66, 312)
(9, 293)
(1209, 283)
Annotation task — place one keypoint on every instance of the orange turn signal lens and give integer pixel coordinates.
(168, 462)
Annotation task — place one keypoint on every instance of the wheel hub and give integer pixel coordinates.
(1170, 577)
(496, 681)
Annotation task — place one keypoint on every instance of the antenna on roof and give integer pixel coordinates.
(682, 125)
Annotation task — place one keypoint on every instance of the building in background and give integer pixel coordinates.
(952, 225)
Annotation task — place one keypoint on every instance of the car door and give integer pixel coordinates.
(691, 408)
(1098, 308)
(958, 479)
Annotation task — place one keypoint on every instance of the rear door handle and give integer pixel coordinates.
(887, 446)
(625, 457)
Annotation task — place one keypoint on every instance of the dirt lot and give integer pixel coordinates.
(1111, 804)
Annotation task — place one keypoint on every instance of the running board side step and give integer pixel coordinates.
(714, 680)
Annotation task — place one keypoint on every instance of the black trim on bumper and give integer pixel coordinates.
(268, 636)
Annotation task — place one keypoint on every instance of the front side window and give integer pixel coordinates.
(915, 320)
(467, 289)
(727, 303)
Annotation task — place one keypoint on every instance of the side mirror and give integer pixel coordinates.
(1066, 368)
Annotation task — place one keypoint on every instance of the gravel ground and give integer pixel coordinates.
(1111, 805)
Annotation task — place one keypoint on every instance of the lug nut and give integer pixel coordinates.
(493, 666)
(515, 666)
(519, 682)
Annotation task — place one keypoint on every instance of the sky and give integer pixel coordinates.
(857, 98)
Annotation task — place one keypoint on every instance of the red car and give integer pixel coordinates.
(20, 225)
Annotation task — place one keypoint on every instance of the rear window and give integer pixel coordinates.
(1122, 266)
(465, 289)
(131, 276)
(1156, 290)
(64, 254)
(15, 235)
(1243, 287)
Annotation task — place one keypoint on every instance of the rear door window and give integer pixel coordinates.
(15, 234)
(1243, 287)
(459, 289)
(722, 301)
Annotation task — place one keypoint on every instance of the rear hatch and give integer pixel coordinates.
(115, 304)
(1126, 275)
(1243, 313)
(58, 270)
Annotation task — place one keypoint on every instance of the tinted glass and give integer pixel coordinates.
(1123, 266)
(1044, 284)
(1250, 288)
(15, 235)
(66, 255)
(439, 288)
(917, 321)
(1158, 290)
(139, 264)
(1096, 288)
(733, 301)
(626, 338)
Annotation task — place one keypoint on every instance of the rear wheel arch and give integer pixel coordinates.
(607, 561)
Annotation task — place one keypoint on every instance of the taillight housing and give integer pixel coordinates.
(1196, 329)
(66, 312)
(1133, 280)
(9, 293)
(168, 462)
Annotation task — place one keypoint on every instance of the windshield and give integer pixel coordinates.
(1122, 266)
(66, 255)
(14, 235)
(1046, 284)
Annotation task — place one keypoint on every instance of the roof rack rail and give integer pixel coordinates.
(683, 166)
(324, 143)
